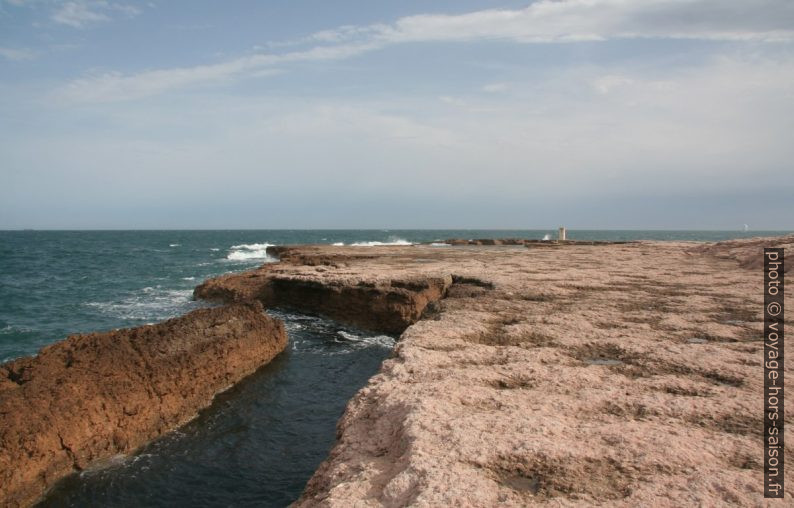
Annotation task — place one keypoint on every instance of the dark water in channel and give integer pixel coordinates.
(258, 443)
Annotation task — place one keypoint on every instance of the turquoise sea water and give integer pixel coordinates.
(259, 442)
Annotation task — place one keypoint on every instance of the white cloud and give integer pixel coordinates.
(711, 126)
(608, 83)
(455, 101)
(583, 20)
(17, 54)
(495, 87)
(721, 127)
(77, 15)
(111, 87)
(82, 13)
(545, 21)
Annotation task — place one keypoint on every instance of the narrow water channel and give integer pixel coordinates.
(259, 442)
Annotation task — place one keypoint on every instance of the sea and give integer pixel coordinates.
(259, 442)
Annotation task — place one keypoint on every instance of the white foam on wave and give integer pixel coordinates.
(338, 244)
(341, 342)
(9, 329)
(150, 304)
(366, 340)
(347, 343)
(249, 251)
(115, 462)
(391, 241)
(440, 244)
(251, 246)
(174, 245)
(214, 249)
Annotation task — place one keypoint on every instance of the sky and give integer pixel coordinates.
(641, 114)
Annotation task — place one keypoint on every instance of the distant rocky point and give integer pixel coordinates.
(528, 242)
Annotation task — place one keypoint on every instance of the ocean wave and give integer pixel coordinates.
(338, 244)
(174, 244)
(367, 340)
(251, 246)
(249, 251)
(341, 341)
(11, 329)
(391, 241)
(149, 304)
(440, 244)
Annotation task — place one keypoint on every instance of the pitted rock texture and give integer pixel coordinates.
(579, 375)
(93, 396)
(749, 253)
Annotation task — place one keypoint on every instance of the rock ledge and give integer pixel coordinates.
(93, 396)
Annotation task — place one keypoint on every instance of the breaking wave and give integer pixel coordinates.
(367, 340)
(11, 330)
(150, 304)
(339, 340)
(249, 251)
(391, 241)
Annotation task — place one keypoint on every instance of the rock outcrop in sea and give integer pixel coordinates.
(91, 397)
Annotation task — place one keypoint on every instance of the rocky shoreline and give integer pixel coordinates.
(91, 397)
(621, 374)
(586, 373)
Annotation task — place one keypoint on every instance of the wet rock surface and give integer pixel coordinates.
(612, 374)
(90, 397)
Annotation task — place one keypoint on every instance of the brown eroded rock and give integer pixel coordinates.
(388, 307)
(749, 252)
(583, 374)
(383, 304)
(93, 396)
(607, 374)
